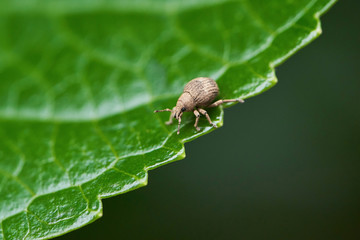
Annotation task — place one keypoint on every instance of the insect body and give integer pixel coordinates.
(198, 94)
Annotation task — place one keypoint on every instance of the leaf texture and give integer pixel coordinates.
(79, 81)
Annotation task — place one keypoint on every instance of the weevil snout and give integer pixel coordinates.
(177, 112)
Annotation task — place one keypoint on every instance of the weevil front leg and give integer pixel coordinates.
(219, 102)
(170, 120)
(197, 115)
(179, 119)
(203, 112)
(166, 110)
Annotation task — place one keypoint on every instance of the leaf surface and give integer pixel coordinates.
(79, 81)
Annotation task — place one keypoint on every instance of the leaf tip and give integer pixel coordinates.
(182, 155)
(274, 80)
(144, 181)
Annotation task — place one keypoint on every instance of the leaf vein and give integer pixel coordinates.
(28, 225)
(182, 35)
(2, 230)
(53, 151)
(18, 180)
(90, 51)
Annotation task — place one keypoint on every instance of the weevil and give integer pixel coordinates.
(197, 94)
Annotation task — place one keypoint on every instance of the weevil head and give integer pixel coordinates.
(177, 111)
(185, 103)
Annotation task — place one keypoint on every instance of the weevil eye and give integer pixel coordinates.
(183, 109)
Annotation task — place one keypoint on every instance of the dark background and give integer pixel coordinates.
(286, 164)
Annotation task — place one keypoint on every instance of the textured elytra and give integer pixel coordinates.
(80, 81)
(202, 90)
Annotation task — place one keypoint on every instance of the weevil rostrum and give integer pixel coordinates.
(197, 94)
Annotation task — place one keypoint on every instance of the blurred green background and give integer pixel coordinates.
(286, 164)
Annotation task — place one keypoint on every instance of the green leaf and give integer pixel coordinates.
(79, 81)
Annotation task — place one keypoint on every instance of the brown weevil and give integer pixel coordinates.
(197, 94)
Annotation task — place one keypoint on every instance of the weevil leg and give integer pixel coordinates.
(166, 110)
(219, 102)
(203, 112)
(170, 120)
(197, 115)
(179, 119)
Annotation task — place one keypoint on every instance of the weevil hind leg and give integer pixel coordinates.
(203, 112)
(221, 101)
(197, 115)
